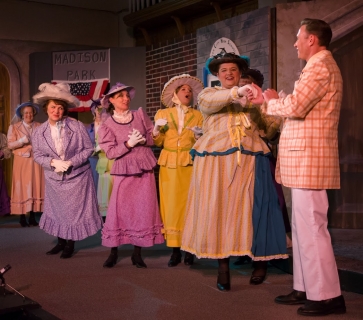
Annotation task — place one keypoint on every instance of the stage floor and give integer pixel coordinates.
(79, 288)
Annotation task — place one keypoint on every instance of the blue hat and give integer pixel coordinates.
(26, 104)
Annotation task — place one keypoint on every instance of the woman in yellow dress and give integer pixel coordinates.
(174, 131)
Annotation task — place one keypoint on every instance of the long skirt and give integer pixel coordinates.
(27, 191)
(222, 218)
(70, 208)
(105, 182)
(4, 198)
(93, 161)
(173, 188)
(133, 213)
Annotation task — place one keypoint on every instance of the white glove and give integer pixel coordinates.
(135, 137)
(24, 140)
(198, 131)
(243, 91)
(97, 149)
(282, 94)
(60, 165)
(158, 124)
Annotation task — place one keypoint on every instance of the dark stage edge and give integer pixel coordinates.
(15, 307)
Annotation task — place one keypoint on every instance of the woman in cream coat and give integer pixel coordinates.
(27, 191)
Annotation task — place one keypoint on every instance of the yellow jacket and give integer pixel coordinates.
(176, 147)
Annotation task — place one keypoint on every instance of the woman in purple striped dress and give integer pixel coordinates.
(62, 146)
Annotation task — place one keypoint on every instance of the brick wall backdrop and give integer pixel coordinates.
(165, 61)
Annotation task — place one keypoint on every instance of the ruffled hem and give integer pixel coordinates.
(194, 152)
(31, 204)
(76, 232)
(143, 238)
(171, 231)
(133, 166)
(233, 253)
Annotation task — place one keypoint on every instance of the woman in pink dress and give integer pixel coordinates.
(133, 213)
(27, 190)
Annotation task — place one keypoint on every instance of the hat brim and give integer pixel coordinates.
(26, 104)
(175, 82)
(59, 91)
(215, 63)
(105, 101)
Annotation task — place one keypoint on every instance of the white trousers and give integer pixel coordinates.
(315, 269)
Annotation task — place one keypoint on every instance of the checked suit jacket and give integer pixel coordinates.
(308, 153)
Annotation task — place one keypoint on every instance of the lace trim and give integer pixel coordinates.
(123, 117)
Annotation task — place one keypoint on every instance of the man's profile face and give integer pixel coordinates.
(302, 43)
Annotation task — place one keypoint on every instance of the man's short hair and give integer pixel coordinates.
(320, 29)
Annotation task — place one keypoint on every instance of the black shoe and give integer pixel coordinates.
(223, 281)
(242, 260)
(295, 297)
(188, 259)
(67, 252)
(259, 273)
(175, 259)
(324, 307)
(137, 260)
(111, 260)
(22, 221)
(58, 248)
(257, 279)
(32, 220)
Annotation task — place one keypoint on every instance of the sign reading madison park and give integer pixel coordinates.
(81, 65)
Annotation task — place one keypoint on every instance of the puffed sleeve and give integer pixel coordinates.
(212, 100)
(159, 139)
(108, 143)
(13, 139)
(81, 157)
(39, 157)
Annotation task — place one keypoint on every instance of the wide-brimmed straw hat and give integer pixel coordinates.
(59, 91)
(105, 102)
(26, 104)
(177, 81)
(228, 57)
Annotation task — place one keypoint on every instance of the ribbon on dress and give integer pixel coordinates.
(241, 123)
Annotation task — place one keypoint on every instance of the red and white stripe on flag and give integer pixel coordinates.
(86, 91)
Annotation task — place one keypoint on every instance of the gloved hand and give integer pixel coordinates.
(158, 124)
(97, 149)
(198, 131)
(244, 91)
(135, 137)
(24, 140)
(60, 165)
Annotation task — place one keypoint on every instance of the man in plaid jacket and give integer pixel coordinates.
(308, 163)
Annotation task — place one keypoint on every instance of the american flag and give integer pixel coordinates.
(86, 91)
